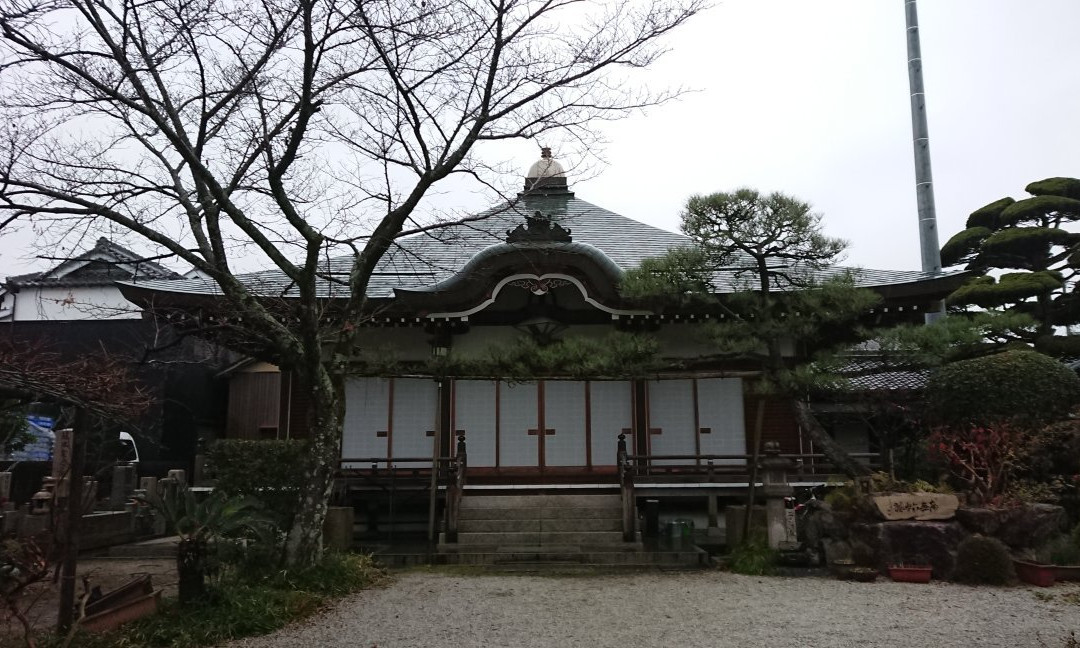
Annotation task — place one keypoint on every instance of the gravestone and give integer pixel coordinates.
(123, 485)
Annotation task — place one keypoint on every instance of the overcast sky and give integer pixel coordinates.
(810, 97)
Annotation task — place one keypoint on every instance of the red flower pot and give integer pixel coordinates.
(1067, 572)
(910, 573)
(1035, 573)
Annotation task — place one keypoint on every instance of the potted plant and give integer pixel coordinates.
(1063, 552)
(1035, 573)
(916, 570)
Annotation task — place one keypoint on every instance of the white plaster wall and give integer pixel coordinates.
(72, 303)
(687, 341)
(408, 344)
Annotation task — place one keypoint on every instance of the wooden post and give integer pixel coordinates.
(65, 615)
(434, 483)
(626, 488)
(455, 489)
(714, 521)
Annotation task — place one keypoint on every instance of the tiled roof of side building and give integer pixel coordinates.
(96, 266)
(421, 260)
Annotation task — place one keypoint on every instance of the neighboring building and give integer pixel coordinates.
(80, 288)
(547, 266)
(76, 309)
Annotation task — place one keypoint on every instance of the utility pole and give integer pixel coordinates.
(924, 181)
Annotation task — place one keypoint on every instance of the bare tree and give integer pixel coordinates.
(294, 129)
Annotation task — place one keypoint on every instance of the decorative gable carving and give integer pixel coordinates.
(538, 228)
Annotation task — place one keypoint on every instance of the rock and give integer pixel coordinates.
(1031, 525)
(984, 521)
(835, 550)
(817, 522)
(1020, 527)
(910, 542)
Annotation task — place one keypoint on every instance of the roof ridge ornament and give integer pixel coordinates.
(538, 228)
(546, 177)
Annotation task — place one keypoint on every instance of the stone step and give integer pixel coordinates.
(539, 513)
(538, 526)
(540, 549)
(539, 501)
(541, 538)
(551, 560)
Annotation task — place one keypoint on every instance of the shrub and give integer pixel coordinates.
(1062, 550)
(336, 574)
(269, 471)
(753, 557)
(979, 457)
(840, 499)
(1052, 460)
(1022, 387)
(983, 561)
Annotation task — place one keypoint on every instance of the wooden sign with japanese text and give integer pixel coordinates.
(917, 506)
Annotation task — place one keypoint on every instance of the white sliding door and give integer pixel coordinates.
(474, 413)
(671, 418)
(518, 419)
(414, 420)
(721, 425)
(564, 423)
(367, 420)
(611, 410)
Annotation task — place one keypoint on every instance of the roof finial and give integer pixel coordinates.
(546, 176)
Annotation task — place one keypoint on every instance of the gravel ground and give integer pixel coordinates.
(708, 609)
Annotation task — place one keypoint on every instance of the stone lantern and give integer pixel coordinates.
(776, 489)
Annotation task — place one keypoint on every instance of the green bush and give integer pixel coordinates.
(337, 574)
(753, 557)
(269, 471)
(1021, 387)
(981, 560)
(1063, 550)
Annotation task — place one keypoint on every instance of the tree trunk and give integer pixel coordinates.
(755, 457)
(191, 570)
(304, 543)
(828, 446)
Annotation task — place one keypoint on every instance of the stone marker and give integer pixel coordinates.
(179, 475)
(338, 528)
(62, 460)
(123, 485)
(149, 486)
(198, 476)
(917, 506)
(5, 486)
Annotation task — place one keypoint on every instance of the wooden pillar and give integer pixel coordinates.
(66, 613)
(641, 418)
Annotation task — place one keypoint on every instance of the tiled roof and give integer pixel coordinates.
(878, 374)
(101, 265)
(421, 260)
